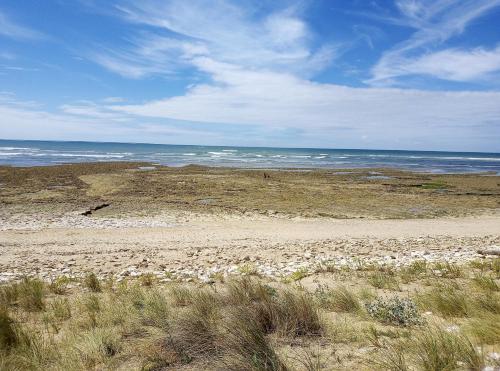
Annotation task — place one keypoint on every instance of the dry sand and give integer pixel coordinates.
(198, 246)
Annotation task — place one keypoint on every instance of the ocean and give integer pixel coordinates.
(36, 153)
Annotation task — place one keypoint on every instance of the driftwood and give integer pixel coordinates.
(92, 209)
(490, 251)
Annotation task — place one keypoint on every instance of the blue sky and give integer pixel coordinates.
(388, 74)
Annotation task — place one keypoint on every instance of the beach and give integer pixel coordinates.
(121, 219)
(130, 265)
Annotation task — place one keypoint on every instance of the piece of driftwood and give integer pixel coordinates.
(92, 209)
(490, 251)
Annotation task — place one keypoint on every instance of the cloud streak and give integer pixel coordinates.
(434, 22)
(11, 29)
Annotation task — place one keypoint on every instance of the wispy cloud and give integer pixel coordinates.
(11, 29)
(434, 22)
(227, 31)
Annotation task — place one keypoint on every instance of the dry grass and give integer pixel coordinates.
(449, 300)
(92, 282)
(252, 324)
(339, 299)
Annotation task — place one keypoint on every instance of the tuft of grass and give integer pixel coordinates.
(89, 308)
(31, 294)
(156, 311)
(297, 315)
(147, 279)
(182, 295)
(489, 302)
(486, 283)
(246, 346)
(196, 331)
(485, 328)
(384, 280)
(298, 275)
(61, 309)
(446, 299)
(290, 313)
(95, 346)
(8, 333)
(438, 349)
(339, 299)
(414, 271)
(92, 283)
(9, 294)
(59, 286)
(343, 330)
(447, 270)
(391, 357)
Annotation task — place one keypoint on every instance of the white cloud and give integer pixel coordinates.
(227, 31)
(388, 117)
(456, 64)
(435, 22)
(13, 30)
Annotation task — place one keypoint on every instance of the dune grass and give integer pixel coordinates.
(248, 323)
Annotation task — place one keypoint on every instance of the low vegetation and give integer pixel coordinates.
(328, 320)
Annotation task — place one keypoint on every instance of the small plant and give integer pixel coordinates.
(182, 295)
(414, 271)
(92, 282)
(338, 300)
(485, 328)
(8, 334)
(156, 311)
(61, 309)
(447, 270)
(486, 283)
(298, 275)
(147, 279)
(446, 299)
(9, 294)
(31, 294)
(59, 286)
(396, 311)
(246, 346)
(248, 270)
(438, 349)
(297, 315)
(383, 280)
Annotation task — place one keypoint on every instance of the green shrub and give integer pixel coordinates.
(396, 311)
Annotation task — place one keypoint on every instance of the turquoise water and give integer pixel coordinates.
(34, 153)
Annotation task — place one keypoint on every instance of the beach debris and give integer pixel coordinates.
(493, 250)
(92, 209)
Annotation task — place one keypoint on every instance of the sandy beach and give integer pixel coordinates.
(203, 221)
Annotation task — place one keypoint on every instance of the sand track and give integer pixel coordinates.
(216, 242)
